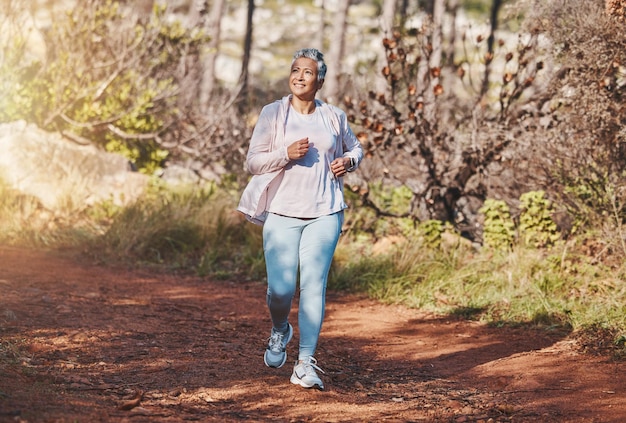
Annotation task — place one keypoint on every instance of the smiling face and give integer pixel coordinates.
(303, 81)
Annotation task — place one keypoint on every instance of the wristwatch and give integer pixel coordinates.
(352, 164)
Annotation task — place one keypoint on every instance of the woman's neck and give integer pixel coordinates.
(303, 107)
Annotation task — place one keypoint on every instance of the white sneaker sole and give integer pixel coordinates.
(297, 381)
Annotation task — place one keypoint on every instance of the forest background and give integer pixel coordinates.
(494, 185)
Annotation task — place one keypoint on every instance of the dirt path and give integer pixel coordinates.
(89, 344)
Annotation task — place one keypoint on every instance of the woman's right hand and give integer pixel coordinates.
(298, 149)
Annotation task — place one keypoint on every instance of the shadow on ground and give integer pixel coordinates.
(86, 343)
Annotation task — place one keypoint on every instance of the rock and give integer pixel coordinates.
(61, 173)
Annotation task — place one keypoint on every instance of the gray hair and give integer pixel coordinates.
(313, 54)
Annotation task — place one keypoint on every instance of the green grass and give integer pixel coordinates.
(184, 228)
(554, 289)
(197, 230)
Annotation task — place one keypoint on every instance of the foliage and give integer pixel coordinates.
(443, 126)
(432, 231)
(109, 79)
(599, 201)
(24, 221)
(183, 227)
(582, 119)
(394, 200)
(536, 226)
(459, 122)
(494, 115)
(353, 269)
(367, 211)
(562, 291)
(499, 229)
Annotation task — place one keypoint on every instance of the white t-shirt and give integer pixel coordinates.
(309, 188)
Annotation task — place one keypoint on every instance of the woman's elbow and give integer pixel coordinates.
(254, 168)
(258, 167)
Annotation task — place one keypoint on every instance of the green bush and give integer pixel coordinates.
(432, 230)
(536, 226)
(499, 229)
(109, 79)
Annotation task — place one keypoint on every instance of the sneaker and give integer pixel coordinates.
(275, 355)
(304, 374)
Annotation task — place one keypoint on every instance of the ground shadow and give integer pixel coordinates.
(109, 344)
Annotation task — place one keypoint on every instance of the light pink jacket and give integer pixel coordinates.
(267, 154)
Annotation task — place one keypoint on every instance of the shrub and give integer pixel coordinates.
(432, 230)
(110, 79)
(536, 226)
(581, 119)
(499, 229)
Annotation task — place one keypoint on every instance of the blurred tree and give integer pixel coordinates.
(213, 28)
(336, 51)
(493, 25)
(453, 9)
(318, 42)
(432, 87)
(194, 69)
(386, 20)
(245, 61)
(578, 133)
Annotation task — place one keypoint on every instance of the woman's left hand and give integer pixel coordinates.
(339, 166)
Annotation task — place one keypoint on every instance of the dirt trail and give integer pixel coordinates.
(92, 344)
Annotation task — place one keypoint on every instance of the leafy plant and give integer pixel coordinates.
(432, 230)
(499, 229)
(536, 226)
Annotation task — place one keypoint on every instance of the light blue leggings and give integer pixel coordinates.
(309, 243)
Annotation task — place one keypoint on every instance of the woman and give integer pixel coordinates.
(299, 151)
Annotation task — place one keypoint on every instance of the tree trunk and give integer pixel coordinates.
(421, 80)
(335, 53)
(386, 30)
(495, 8)
(429, 7)
(245, 62)
(319, 41)
(453, 8)
(213, 28)
(434, 61)
(193, 66)
(403, 12)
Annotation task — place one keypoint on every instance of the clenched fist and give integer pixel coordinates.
(298, 149)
